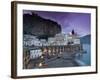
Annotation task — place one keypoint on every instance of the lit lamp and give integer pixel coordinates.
(42, 57)
(45, 50)
(49, 52)
(40, 64)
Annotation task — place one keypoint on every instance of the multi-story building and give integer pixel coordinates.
(61, 39)
(35, 53)
(51, 41)
(73, 38)
(30, 40)
(53, 46)
(44, 42)
(58, 39)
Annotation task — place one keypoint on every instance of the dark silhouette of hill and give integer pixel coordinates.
(38, 26)
(86, 39)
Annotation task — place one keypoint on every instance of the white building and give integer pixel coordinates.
(44, 42)
(61, 39)
(51, 41)
(77, 41)
(73, 38)
(35, 53)
(36, 42)
(30, 40)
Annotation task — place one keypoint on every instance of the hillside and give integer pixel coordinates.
(86, 39)
(40, 27)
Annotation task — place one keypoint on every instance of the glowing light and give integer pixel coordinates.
(40, 64)
(42, 57)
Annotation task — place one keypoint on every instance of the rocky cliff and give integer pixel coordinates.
(40, 27)
(86, 39)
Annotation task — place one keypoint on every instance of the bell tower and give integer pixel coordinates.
(73, 32)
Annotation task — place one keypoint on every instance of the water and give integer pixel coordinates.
(86, 58)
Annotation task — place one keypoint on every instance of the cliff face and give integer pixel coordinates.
(40, 27)
(86, 39)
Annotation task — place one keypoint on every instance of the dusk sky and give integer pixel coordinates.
(80, 22)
